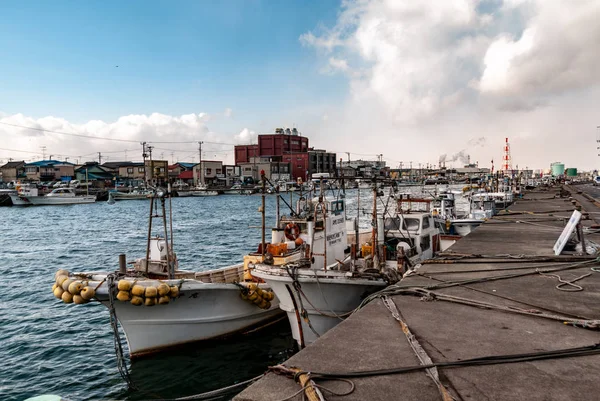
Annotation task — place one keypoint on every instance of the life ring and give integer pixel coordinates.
(292, 231)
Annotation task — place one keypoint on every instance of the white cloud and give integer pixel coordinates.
(228, 113)
(246, 137)
(435, 74)
(125, 133)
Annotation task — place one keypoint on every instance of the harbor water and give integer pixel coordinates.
(52, 348)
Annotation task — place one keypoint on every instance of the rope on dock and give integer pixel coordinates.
(419, 351)
(481, 361)
(312, 390)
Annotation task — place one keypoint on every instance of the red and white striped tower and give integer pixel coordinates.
(507, 162)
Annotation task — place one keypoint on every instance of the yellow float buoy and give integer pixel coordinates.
(124, 285)
(123, 296)
(269, 295)
(67, 297)
(174, 293)
(267, 305)
(263, 304)
(61, 272)
(75, 287)
(61, 279)
(163, 289)
(252, 286)
(137, 301)
(87, 293)
(65, 284)
(252, 296)
(151, 292)
(138, 290)
(150, 301)
(164, 300)
(54, 286)
(78, 299)
(58, 291)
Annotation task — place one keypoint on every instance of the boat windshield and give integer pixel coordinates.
(393, 223)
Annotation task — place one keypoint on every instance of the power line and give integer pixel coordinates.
(106, 138)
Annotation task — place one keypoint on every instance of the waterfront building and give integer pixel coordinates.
(96, 175)
(49, 170)
(12, 171)
(207, 171)
(274, 168)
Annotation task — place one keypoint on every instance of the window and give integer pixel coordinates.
(425, 243)
(247, 168)
(218, 171)
(140, 169)
(426, 222)
(299, 166)
(208, 171)
(129, 170)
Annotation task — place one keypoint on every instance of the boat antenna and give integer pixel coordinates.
(162, 195)
(149, 234)
(170, 195)
(262, 211)
(374, 230)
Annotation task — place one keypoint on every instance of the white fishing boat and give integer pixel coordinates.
(20, 197)
(237, 189)
(133, 194)
(160, 306)
(183, 190)
(329, 272)
(204, 193)
(58, 196)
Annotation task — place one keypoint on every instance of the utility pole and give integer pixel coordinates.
(43, 152)
(99, 157)
(144, 158)
(348, 153)
(151, 178)
(200, 175)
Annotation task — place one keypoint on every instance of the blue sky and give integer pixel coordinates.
(59, 58)
(413, 80)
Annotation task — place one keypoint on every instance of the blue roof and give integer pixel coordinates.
(187, 165)
(48, 163)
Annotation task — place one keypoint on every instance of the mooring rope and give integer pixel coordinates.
(121, 362)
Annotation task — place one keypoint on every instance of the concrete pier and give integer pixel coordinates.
(469, 314)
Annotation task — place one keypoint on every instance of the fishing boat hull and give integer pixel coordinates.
(323, 296)
(124, 196)
(19, 200)
(202, 311)
(47, 200)
(205, 193)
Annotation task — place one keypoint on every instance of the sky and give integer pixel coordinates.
(418, 82)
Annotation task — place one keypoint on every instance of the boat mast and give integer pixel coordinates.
(375, 249)
(262, 211)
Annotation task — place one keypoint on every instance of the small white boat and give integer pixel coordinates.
(202, 190)
(237, 189)
(183, 190)
(58, 196)
(134, 194)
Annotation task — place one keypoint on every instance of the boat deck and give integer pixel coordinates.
(516, 242)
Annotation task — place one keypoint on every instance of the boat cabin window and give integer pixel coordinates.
(391, 223)
(437, 203)
(337, 207)
(426, 222)
(425, 242)
(411, 224)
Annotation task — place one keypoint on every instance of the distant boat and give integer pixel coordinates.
(237, 189)
(59, 196)
(182, 189)
(132, 195)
